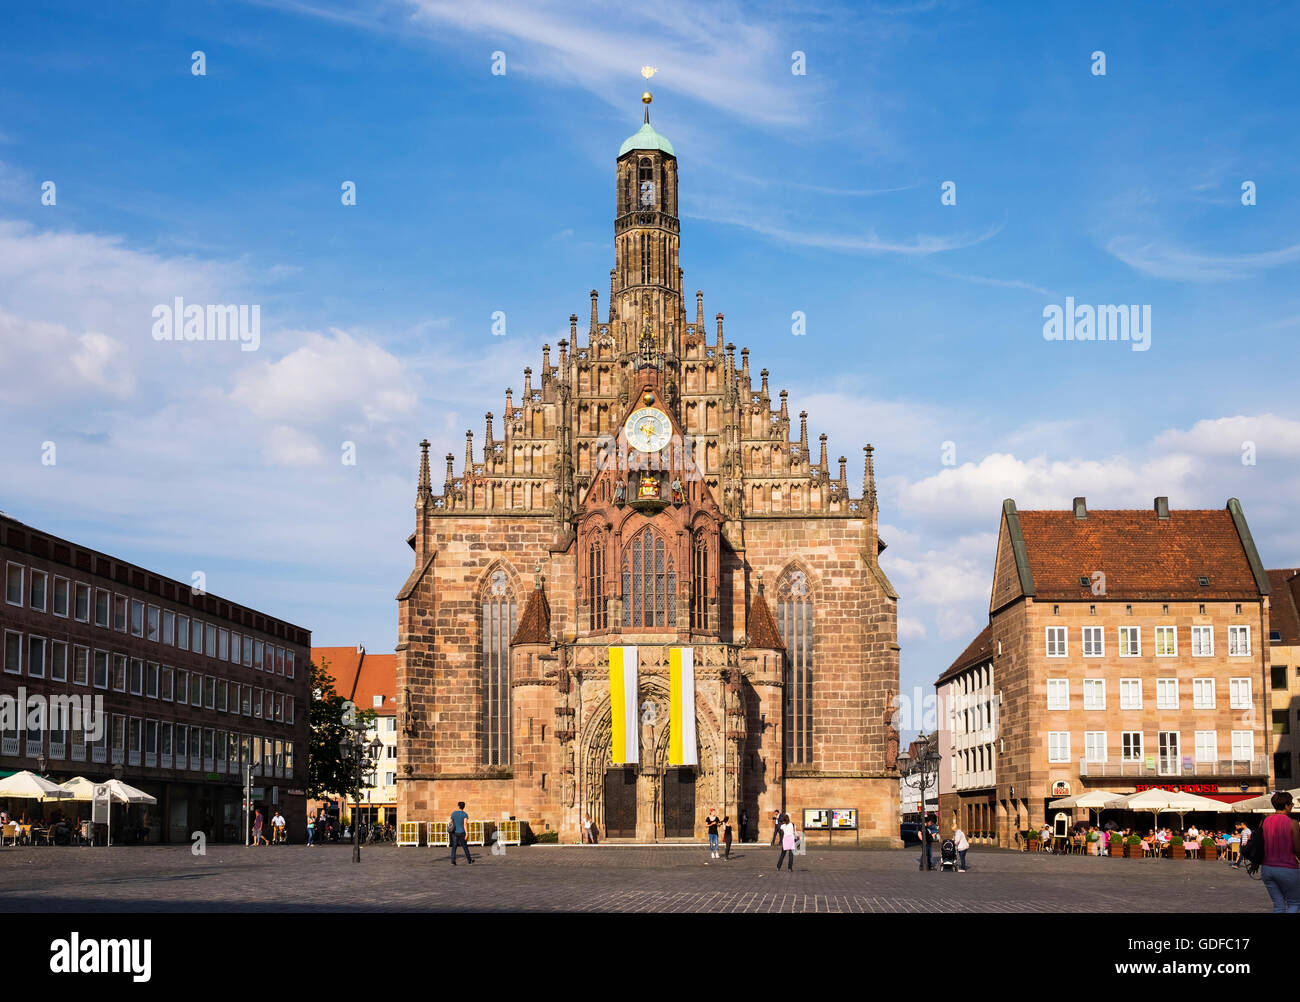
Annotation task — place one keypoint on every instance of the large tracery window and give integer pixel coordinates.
(645, 259)
(649, 583)
(795, 619)
(598, 618)
(700, 582)
(498, 626)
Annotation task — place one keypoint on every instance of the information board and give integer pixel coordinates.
(844, 818)
(816, 818)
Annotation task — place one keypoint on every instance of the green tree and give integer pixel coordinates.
(329, 771)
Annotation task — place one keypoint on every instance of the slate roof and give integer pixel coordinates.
(1284, 605)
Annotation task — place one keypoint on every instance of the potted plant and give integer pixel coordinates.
(1094, 844)
(1208, 849)
(1133, 847)
(1176, 850)
(1031, 841)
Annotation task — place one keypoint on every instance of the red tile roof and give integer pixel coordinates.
(1142, 556)
(977, 652)
(360, 676)
(763, 633)
(535, 624)
(1284, 605)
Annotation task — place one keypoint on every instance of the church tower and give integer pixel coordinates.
(646, 509)
(646, 291)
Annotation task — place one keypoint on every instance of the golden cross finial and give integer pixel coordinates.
(648, 71)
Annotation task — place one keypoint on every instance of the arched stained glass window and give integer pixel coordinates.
(598, 618)
(700, 582)
(649, 583)
(497, 626)
(795, 620)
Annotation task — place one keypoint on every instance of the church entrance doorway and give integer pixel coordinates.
(620, 803)
(679, 803)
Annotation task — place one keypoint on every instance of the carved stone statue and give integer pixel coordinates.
(891, 725)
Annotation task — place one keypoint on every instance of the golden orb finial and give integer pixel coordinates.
(647, 97)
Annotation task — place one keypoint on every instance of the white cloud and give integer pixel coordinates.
(1165, 260)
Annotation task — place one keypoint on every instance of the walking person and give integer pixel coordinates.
(258, 837)
(1280, 871)
(962, 844)
(713, 821)
(726, 837)
(788, 839)
(744, 826)
(456, 832)
(776, 827)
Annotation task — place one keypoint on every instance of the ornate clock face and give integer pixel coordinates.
(647, 193)
(648, 429)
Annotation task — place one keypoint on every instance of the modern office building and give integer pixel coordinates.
(190, 686)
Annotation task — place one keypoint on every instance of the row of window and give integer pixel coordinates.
(1130, 694)
(118, 673)
(1092, 641)
(1168, 747)
(108, 610)
(155, 744)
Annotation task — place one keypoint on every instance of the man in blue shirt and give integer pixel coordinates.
(457, 831)
(929, 832)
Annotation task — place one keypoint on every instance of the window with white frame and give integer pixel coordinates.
(169, 628)
(120, 609)
(288, 664)
(1202, 641)
(1058, 746)
(1094, 746)
(13, 652)
(248, 651)
(235, 648)
(1207, 746)
(137, 618)
(81, 602)
(103, 605)
(151, 680)
(210, 641)
(1166, 641)
(1239, 694)
(258, 655)
(183, 632)
(137, 677)
(1166, 694)
(1243, 746)
(14, 583)
(36, 657)
(223, 695)
(182, 686)
(1094, 694)
(153, 624)
(165, 684)
(1130, 641)
(101, 669)
(1056, 646)
(119, 673)
(210, 691)
(37, 590)
(1238, 641)
(1094, 641)
(196, 636)
(61, 597)
(223, 644)
(1058, 694)
(1203, 694)
(196, 689)
(1130, 694)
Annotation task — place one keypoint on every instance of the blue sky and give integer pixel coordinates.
(479, 192)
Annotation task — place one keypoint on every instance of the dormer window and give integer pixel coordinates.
(1203, 581)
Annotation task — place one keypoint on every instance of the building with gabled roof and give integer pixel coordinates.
(1284, 673)
(1125, 649)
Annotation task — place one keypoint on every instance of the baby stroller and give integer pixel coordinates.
(948, 856)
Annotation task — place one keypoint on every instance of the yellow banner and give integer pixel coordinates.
(681, 707)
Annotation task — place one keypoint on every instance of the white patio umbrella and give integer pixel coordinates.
(126, 794)
(79, 788)
(1262, 804)
(1159, 801)
(27, 785)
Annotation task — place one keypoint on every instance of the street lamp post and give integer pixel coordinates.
(361, 758)
(926, 764)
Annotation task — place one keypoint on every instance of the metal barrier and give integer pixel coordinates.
(511, 832)
(438, 834)
(408, 832)
(474, 834)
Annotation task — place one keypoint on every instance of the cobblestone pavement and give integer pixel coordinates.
(604, 879)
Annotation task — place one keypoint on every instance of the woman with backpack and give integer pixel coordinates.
(1275, 849)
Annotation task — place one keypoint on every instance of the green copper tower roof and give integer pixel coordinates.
(646, 138)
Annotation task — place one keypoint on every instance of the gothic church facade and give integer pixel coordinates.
(642, 490)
